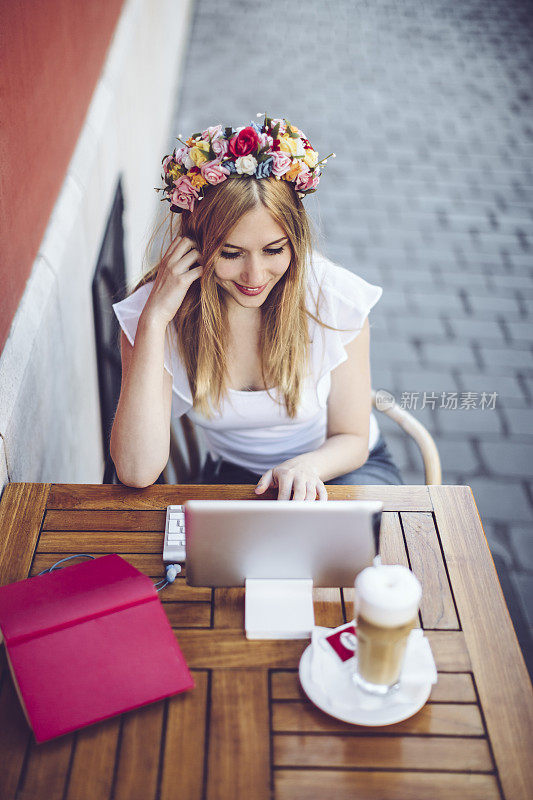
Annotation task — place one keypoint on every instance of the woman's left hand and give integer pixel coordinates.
(300, 481)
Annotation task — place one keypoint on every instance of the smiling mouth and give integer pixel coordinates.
(250, 290)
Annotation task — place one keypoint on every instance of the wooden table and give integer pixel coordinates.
(247, 730)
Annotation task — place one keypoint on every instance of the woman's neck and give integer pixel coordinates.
(245, 318)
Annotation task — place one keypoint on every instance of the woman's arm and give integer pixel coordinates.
(346, 446)
(140, 436)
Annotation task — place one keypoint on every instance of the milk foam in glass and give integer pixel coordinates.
(387, 599)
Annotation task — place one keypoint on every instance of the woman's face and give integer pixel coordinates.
(255, 257)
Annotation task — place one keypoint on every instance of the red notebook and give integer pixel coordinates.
(87, 642)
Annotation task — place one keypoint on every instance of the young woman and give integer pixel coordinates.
(244, 326)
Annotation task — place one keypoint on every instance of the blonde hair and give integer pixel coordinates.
(201, 321)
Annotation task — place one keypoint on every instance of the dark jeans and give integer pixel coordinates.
(378, 468)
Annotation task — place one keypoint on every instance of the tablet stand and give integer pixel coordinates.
(278, 608)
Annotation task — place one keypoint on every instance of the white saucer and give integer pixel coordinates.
(346, 702)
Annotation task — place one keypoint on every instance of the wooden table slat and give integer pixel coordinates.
(98, 542)
(392, 545)
(46, 768)
(21, 513)
(188, 615)
(153, 567)
(501, 676)
(158, 496)
(319, 784)
(138, 758)
(185, 741)
(228, 649)
(180, 590)
(228, 609)
(93, 765)
(451, 687)
(437, 608)
(444, 719)
(105, 520)
(454, 688)
(383, 752)
(449, 651)
(150, 564)
(239, 742)
(327, 605)
(14, 735)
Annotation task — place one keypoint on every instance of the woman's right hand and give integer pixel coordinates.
(173, 280)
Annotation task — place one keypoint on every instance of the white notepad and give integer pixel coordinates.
(278, 609)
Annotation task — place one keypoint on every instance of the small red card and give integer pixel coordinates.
(343, 641)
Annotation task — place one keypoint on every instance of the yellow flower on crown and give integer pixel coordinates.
(294, 147)
(293, 172)
(198, 153)
(174, 171)
(198, 180)
(292, 129)
(311, 158)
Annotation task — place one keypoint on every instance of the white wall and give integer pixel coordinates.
(49, 403)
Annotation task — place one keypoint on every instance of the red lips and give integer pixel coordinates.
(250, 290)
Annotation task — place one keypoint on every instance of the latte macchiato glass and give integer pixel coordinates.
(386, 608)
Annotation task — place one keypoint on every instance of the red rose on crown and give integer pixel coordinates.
(244, 143)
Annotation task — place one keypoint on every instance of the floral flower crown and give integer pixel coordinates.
(276, 149)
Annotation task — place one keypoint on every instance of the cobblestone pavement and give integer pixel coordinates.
(428, 108)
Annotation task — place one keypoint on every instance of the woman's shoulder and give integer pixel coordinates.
(342, 297)
(128, 310)
(134, 302)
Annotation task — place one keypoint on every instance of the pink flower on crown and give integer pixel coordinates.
(213, 132)
(304, 168)
(220, 147)
(265, 140)
(213, 172)
(282, 126)
(282, 163)
(184, 194)
(306, 180)
(181, 154)
(166, 162)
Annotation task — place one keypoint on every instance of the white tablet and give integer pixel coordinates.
(228, 541)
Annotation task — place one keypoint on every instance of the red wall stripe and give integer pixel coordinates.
(51, 56)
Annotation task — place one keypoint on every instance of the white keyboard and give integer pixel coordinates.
(174, 543)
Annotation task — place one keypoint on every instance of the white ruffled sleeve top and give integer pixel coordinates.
(252, 428)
